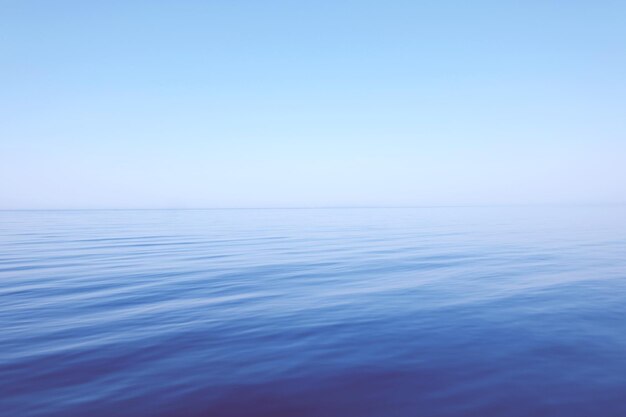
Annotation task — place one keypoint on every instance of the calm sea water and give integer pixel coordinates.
(342, 312)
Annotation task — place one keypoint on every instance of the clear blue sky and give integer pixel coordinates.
(141, 104)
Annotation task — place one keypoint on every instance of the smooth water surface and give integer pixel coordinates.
(327, 312)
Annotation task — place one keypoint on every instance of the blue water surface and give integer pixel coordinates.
(509, 311)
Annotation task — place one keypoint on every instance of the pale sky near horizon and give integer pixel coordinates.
(162, 104)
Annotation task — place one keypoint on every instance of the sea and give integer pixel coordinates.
(329, 312)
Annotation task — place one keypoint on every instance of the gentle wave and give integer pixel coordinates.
(347, 312)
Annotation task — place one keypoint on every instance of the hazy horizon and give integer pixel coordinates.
(469, 206)
(282, 104)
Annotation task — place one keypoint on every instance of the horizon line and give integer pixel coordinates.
(316, 207)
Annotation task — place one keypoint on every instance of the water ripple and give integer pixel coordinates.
(364, 312)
